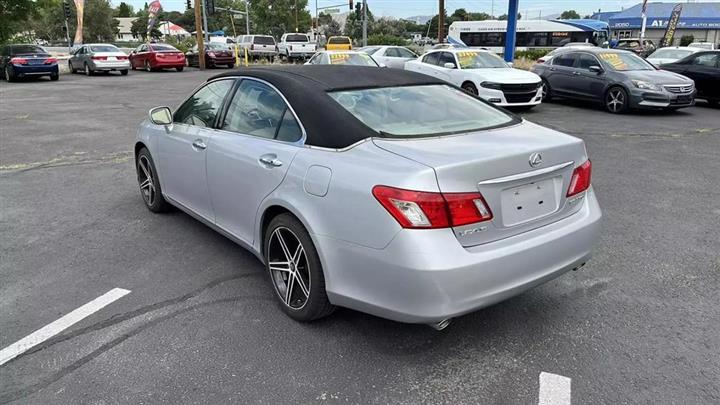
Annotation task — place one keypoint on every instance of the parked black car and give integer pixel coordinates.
(20, 60)
(704, 69)
(619, 79)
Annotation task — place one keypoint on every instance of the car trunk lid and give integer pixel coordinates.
(523, 173)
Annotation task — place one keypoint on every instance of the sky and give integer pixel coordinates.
(408, 8)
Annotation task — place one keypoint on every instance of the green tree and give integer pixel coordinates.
(47, 21)
(434, 25)
(505, 17)
(459, 15)
(275, 17)
(479, 16)
(139, 27)
(354, 24)
(13, 13)
(569, 15)
(99, 24)
(389, 27)
(124, 10)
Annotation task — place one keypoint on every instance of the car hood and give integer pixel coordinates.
(657, 76)
(505, 75)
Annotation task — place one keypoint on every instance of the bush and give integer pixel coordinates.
(686, 40)
(532, 54)
(382, 39)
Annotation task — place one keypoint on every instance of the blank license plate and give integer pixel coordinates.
(529, 201)
(112, 58)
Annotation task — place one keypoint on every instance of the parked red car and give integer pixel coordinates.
(157, 56)
(216, 55)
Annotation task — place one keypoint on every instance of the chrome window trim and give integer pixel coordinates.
(527, 175)
(174, 110)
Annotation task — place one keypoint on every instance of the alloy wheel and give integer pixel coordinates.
(147, 66)
(544, 90)
(289, 268)
(615, 100)
(145, 179)
(87, 70)
(7, 73)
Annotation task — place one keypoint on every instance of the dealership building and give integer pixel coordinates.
(701, 20)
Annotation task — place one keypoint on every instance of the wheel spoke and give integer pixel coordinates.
(144, 169)
(283, 245)
(288, 289)
(145, 184)
(298, 254)
(279, 266)
(301, 284)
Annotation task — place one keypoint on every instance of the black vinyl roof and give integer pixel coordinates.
(326, 122)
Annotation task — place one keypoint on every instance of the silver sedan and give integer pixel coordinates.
(380, 190)
(92, 58)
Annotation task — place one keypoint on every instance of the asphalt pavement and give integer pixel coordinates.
(640, 323)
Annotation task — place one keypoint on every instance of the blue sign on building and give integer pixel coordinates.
(694, 16)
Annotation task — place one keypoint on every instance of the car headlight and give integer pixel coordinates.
(645, 85)
(491, 85)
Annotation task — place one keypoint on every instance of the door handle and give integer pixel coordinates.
(199, 144)
(576, 73)
(270, 161)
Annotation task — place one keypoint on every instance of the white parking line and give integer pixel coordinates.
(52, 329)
(554, 389)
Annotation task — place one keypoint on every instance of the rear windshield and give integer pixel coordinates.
(356, 59)
(103, 48)
(23, 49)
(670, 53)
(264, 40)
(163, 48)
(420, 111)
(339, 40)
(215, 46)
(297, 38)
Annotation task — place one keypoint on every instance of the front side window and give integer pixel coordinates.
(257, 109)
(624, 61)
(419, 111)
(479, 60)
(202, 108)
(585, 61)
(447, 57)
(431, 58)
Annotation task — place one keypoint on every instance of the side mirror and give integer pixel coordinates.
(449, 65)
(382, 65)
(511, 64)
(596, 69)
(161, 116)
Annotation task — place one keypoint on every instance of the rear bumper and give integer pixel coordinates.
(651, 100)
(168, 64)
(223, 60)
(301, 54)
(109, 66)
(35, 70)
(425, 276)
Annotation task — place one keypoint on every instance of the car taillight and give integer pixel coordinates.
(19, 61)
(429, 210)
(99, 58)
(49, 61)
(580, 180)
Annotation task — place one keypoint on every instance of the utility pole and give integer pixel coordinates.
(441, 22)
(247, 18)
(204, 19)
(365, 22)
(296, 24)
(199, 36)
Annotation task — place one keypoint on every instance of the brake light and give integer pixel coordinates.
(99, 58)
(580, 180)
(428, 210)
(19, 61)
(49, 61)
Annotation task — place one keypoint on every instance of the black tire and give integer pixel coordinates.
(316, 304)
(152, 195)
(617, 100)
(9, 74)
(470, 88)
(55, 77)
(124, 72)
(179, 68)
(71, 67)
(147, 67)
(88, 71)
(546, 91)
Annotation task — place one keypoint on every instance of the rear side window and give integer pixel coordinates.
(339, 40)
(258, 110)
(201, 109)
(565, 59)
(264, 40)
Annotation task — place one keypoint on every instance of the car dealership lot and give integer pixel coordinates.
(639, 323)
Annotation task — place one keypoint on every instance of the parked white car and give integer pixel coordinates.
(481, 73)
(296, 45)
(707, 46)
(259, 46)
(390, 56)
(671, 54)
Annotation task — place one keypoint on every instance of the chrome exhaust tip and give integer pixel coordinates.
(441, 325)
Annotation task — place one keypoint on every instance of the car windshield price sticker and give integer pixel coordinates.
(615, 60)
(466, 58)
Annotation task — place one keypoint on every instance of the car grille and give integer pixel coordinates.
(679, 88)
(682, 100)
(519, 93)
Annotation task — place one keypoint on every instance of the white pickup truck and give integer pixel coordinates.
(295, 45)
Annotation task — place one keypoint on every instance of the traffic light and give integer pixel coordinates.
(358, 10)
(210, 7)
(66, 9)
(188, 5)
(351, 4)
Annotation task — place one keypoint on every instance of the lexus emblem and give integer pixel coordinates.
(535, 160)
